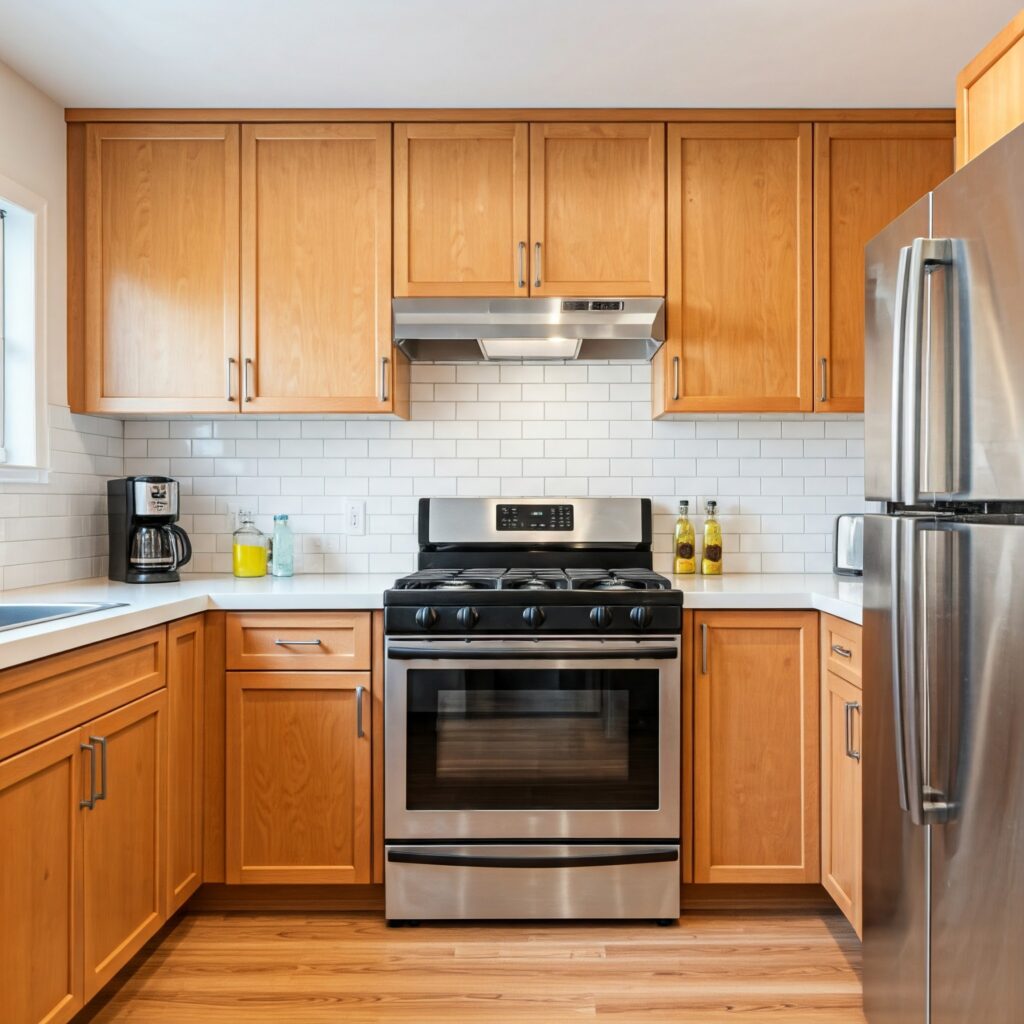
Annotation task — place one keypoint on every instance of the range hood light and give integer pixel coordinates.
(530, 348)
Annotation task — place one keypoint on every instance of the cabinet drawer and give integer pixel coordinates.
(46, 697)
(841, 648)
(298, 641)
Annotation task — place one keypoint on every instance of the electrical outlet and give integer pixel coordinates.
(354, 516)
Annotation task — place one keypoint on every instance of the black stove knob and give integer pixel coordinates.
(601, 616)
(640, 616)
(467, 618)
(533, 616)
(426, 618)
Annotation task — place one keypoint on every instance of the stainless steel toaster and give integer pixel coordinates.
(848, 546)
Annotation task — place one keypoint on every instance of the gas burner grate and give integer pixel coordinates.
(450, 579)
(534, 579)
(616, 579)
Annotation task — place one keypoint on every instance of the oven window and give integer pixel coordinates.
(532, 739)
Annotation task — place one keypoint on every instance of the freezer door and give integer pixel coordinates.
(885, 277)
(972, 345)
(973, 595)
(895, 849)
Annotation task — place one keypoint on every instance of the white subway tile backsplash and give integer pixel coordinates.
(510, 430)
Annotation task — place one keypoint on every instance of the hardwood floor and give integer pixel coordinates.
(245, 968)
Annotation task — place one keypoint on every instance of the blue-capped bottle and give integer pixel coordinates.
(282, 548)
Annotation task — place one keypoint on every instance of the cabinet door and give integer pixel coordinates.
(597, 209)
(316, 268)
(40, 964)
(756, 747)
(990, 93)
(841, 832)
(124, 884)
(298, 777)
(739, 270)
(184, 759)
(161, 268)
(461, 199)
(865, 175)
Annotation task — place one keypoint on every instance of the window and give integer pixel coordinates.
(23, 433)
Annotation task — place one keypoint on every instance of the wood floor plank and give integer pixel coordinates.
(300, 968)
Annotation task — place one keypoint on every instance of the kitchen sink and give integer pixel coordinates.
(14, 615)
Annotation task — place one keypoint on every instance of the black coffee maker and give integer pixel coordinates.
(145, 545)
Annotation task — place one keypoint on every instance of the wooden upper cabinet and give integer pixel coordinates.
(739, 270)
(865, 175)
(597, 209)
(161, 269)
(461, 200)
(755, 761)
(316, 268)
(990, 93)
(40, 952)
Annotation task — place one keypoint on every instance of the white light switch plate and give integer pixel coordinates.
(354, 517)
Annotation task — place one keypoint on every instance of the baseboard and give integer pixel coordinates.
(218, 898)
(755, 897)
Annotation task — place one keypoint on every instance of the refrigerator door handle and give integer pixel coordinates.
(899, 345)
(899, 658)
(926, 256)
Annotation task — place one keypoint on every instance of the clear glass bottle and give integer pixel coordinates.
(685, 563)
(248, 548)
(711, 562)
(282, 548)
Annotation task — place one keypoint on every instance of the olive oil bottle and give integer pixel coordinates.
(685, 561)
(711, 562)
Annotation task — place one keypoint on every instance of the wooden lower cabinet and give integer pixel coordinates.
(185, 728)
(124, 885)
(40, 967)
(298, 777)
(841, 790)
(755, 761)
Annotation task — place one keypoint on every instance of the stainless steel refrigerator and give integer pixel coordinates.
(943, 745)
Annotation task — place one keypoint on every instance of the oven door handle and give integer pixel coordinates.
(540, 654)
(474, 860)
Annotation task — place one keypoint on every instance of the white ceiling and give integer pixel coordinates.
(500, 53)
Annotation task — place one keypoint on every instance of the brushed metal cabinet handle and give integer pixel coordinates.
(703, 648)
(824, 380)
(521, 283)
(383, 378)
(360, 690)
(536, 264)
(675, 378)
(90, 803)
(228, 374)
(298, 643)
(102, 741)
(849, 707)
(843, 652)
(246, 391)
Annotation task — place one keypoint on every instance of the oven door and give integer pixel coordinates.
(560, 738)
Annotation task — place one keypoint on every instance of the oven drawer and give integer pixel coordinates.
(531, 881)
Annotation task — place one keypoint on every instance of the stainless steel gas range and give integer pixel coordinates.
(532, 715)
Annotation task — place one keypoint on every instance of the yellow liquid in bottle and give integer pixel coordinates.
(711, 563)
(249, 560)
(685, 562)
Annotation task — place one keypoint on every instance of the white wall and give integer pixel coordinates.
(55, 530)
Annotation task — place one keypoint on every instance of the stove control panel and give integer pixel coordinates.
(535, 517)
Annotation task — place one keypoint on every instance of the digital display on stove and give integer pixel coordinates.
(535, 517)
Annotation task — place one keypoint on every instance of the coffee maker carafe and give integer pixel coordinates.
(145, 544)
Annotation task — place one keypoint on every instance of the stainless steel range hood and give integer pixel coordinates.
(471, 330)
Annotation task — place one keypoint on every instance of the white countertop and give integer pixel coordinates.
(149, 605)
